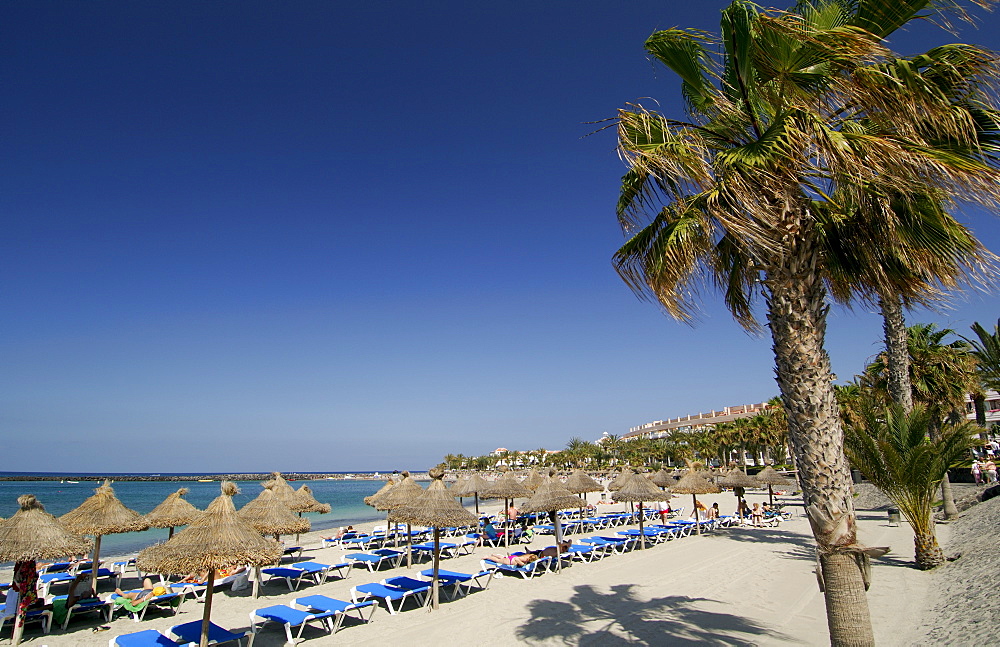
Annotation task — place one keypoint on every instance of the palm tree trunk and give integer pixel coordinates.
(797, 310)
(928, 553)
(897, 352)
(979, 402)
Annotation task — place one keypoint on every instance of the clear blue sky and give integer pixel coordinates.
(321, 236)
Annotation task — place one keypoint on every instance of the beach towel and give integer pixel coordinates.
(130, 605)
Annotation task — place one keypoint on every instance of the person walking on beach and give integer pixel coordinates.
(991, 471)
(977, 471)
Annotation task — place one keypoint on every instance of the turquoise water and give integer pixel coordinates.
(345, 496)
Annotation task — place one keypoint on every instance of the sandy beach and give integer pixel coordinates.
(738, 586)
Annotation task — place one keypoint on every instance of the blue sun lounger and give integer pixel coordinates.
(101, 607)
(527, 571)
(447, 549)
(147, 638)
(375, 559)
(289, 617)
(339, 608)
(47, 580)
(390, 594)
(167, 600)
(190, 632)
(288, 574)
(458, 580)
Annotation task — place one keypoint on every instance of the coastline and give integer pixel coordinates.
(736, 586)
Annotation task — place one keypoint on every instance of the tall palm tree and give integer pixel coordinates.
(787, 115)
(892, 449)
(941, 373)
(986, 350)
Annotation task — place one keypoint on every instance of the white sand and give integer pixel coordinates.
(739, 586)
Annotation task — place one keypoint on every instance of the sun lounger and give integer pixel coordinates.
(147, 638)
(137, 612)
(103, 574)
(191, 632)
(374, 560)
(289, 617)
(390, 594)
(35, 615)
(481, 579)
(582, 552)
(197, 590)
(448, 549)
(290, 575)
(101, 607)
(527, 571)
(358, 541)
(48, 580)
(339, 608)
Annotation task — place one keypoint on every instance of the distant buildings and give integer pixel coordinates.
(992, 408)
(663, 428)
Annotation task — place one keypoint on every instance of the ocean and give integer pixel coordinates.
(346, 496)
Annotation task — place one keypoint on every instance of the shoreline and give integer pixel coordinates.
(249, 476)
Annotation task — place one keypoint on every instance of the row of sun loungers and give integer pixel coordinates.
(395, 593)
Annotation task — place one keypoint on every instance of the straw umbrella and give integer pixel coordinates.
(620, 480)
(399, 497)
(639, 488)
(737, 480)
(377, 501)
(282, 490)
(217, 539)
(306, 502)
(437, 508)
(33, 534)
(533, 480)
(268, 516)
(472, 485)
(102, 514)
(770, 476)
(579, 483)
(551, 496)
(506, 487)
(174, 511)
(694, 485)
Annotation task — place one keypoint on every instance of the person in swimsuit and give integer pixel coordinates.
(148, 592)
(521, 559)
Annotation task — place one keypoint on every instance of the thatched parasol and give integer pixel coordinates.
(579, 483)
(506, 487)
(770, 476)
(102, 514)
(398, 497)
(473, 485)
(533, 480)
(174, 511)
(737, 480)
(268, 516)
(377, 500)
(33, 534)
(551, 496)
(663, 479)
(638, 489)
(306, 502)
(620, 480)
(437, 508)
(694, 485)
(282, 490)
(217, 539)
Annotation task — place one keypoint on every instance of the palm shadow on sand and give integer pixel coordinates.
(620, 618)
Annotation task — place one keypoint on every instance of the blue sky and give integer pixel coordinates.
(318, 236)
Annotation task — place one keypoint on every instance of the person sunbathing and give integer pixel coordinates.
(79, 591)
(551, 551)
(147, 593)
(517, 559)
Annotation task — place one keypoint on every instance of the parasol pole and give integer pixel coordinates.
(95, 561)
(437, 562)
(506, 531)
(409, 541)
(208, 608)
(557, 526)
(476, 494)
(171, 533)
(256, 581)
(770, 494)
(642, 535)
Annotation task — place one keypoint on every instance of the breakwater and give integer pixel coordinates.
(256, 476)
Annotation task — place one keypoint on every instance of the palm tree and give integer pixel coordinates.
(940, 373)
(892, 450)
(986, 350)
(786, 116)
